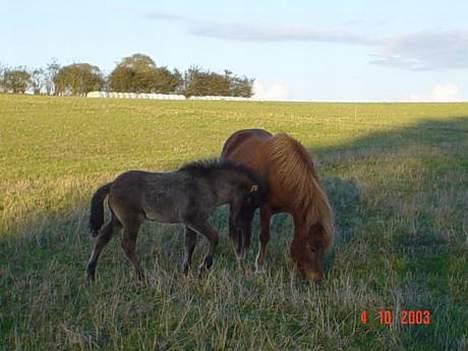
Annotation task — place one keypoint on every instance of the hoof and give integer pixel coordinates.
(240, 256)
(186, 268)
(260, 272)
(202, 270)
(90, 273)
(142, 278)
(90, 278)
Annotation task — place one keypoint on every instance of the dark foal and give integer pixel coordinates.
(188, 196)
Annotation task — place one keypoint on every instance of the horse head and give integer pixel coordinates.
(308, 251)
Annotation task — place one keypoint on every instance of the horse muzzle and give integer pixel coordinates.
(315, 277)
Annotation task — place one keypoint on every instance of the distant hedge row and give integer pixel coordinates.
(135, 74)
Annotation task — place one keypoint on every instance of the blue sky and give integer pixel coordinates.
(304, 50)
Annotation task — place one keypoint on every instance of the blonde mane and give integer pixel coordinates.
(297, 175)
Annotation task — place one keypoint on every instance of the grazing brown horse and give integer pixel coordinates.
(294, 187)
(188, 196)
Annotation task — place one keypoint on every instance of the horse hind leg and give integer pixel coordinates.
(101, 241)
(265, 216)
(129, 245)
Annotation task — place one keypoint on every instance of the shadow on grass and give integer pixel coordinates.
(412, 216)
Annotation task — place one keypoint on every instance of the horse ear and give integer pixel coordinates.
(254, 188)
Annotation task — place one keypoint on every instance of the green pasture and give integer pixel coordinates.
(396, 175)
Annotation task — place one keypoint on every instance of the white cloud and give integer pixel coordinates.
(442, 92)
(420, 51)
(446, 92)
(275, 91)
(247, 32)
(424, 51)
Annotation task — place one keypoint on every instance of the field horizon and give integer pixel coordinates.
(396, 175)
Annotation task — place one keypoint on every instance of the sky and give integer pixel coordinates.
(296, 50)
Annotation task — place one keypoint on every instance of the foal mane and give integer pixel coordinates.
(206, 167)
(296, 173)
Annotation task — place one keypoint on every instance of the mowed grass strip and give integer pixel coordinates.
(396, 174)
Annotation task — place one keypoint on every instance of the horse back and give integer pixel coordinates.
(281, 160)
(247, 147)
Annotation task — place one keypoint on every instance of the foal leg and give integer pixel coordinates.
(205, 229)
(129, 245)
(237, 239)
(103, 238)
(245, 242)
(240, 251)
(265, 216)
(190, 242)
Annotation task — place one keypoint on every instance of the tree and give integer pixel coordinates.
(121, 79)
(163, 81)
(2, 70)
(133, 74)
(241, 86)
(16, 80)
(139, 74)
(38, 80)
(50, 72)
(138, 62)
(179, 77)
(203, 83)
(77, 79)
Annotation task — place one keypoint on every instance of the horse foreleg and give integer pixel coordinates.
(129, 246)
(205, 229)
(190, 243)
(101, 241)
(265, 216)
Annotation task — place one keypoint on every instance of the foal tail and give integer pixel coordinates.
(96, 218)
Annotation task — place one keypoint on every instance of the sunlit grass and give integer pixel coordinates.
(397, 176)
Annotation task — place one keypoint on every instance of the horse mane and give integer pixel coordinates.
(296, 173)
(205, 167)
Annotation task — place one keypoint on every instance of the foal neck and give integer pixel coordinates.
(229, 182)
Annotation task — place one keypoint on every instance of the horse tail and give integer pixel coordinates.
(96, 218)
(296, 173)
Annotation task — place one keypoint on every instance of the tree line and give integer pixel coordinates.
(135, 74)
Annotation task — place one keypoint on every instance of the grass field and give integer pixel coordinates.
(396, 174)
